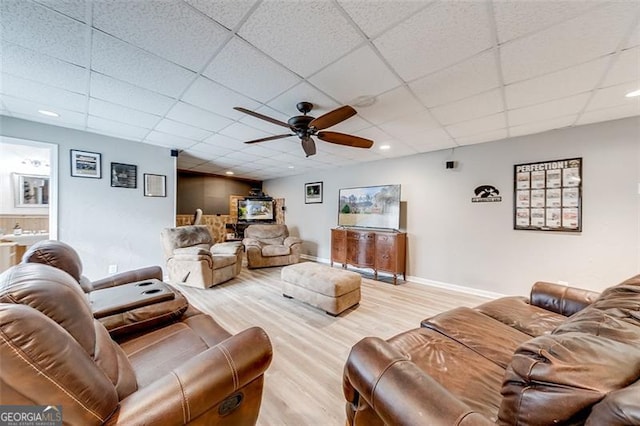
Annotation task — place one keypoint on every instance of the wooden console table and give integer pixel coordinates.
(378, 250)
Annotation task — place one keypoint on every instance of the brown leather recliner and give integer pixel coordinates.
(54, 352)
(565, 356)
(270, 245)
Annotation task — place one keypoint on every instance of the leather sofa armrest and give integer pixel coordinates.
(399, 391)
(561, 299)
(289, 241)
(200, 384)
(129, 277)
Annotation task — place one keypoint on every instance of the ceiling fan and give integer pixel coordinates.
(304, 126)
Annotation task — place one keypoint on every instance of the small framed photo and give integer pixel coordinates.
(313, 193)
(155, 185)
(124, 175)
(86, 164)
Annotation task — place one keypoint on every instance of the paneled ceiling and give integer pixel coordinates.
(422, 75)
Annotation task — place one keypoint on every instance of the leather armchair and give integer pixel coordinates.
(54, 352)
(270, 245)
(194, 260)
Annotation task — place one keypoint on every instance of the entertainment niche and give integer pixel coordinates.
(365, 248)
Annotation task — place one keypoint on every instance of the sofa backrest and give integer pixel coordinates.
(55, 348)
(268, 234)
(185, 236)
(557, 378)
(57, 254)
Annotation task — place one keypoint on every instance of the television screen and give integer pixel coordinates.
(370, 207)
(255, 210)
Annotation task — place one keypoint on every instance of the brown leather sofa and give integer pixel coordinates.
(564, 356)
(54, 352)
(270, 245)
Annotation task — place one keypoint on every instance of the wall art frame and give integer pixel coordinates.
(124, 175)
(313, 193)
(155, 185)
(86, 164)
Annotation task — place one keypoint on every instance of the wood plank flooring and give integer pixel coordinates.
(303, 385)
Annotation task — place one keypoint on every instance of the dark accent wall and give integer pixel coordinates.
(209, 192)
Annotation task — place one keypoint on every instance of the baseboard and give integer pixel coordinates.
(424, 281)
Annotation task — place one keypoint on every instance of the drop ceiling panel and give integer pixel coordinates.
(376, 80)
(625, 68)
(467, 78)
(436, 37)
(206, 151)
(122, 114)
(224, 142)
(492, 135)
(246, 70)
(486, 103)
(409, 126)
(216, 98)
(29, 110)
(390, 106)
(260, 150)
(36, 27)
(374, 17)
(45, 69)
(118, 129)
(542, 126)
(171, 30)
(289, 32)
(626, 110)
(477, 126)
(286, 103)
(225, 12)
(125, 62)
(613, 96)
(198, 117)
(600, 32)
(180, 129)
(548, 110)
(353, 124)
(243, 133)
(226, 161)
(76, 9)
(169, 141)
(121, 93)
(41, 93)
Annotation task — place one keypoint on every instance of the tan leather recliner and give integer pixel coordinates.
(53, 352)
(270, 245)
(194, 260)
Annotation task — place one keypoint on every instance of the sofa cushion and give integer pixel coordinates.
(516, 312)
(269, 251)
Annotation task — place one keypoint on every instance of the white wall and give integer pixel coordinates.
(106, 225)
(456, 242)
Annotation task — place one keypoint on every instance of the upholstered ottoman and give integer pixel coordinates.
(330, 289)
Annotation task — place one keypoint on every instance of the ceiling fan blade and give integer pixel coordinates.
(344, 139)
(270, 138)
(308, 146)
(333, 117)
(262, 117)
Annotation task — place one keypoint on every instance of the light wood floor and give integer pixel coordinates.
(303, 385)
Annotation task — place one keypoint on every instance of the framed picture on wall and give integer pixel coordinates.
(86, 164)
(31, 190)
(313, 193)
(155, 185)
(124, 175)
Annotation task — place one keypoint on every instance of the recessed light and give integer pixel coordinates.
(633, 94)
(229, 172)
(292, 167)
(48, 113)
(385, 147)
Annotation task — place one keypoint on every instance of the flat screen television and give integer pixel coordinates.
(370, 207)
(256, 210)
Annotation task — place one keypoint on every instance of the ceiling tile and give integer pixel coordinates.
(600, 32)
(260, 151)
(242, 156)
(613, 96)
(548, 110)
(76, 9)
(243, 133)
(542, 126)
(493, 135)
(516, 19)
(286, 103)
(280, 29)
(374, 17)
(224, 142)
(29, 110)
(28, 64)
(634, 38)
(340, 81)
(198, 117)
(246, 70)
(268, 162)
(41, 93)
(606, 114)
(121, 93)
(170, 29)
(125, 62)
(204, 150)
(185, 160)
(410, 125)
(99, 108)
(353, 124)
(180, 129)
(560, 84)
(225, 12)
(115, 128)
(390, 106)
(36, 27)
(625, 68)
(486, 103)
(286, 145)
(467, 78)
(477, 126)
(225, 161)
(216, 98)
(436, 37)
(169, 141)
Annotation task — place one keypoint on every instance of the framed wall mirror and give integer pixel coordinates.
(31, 190)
